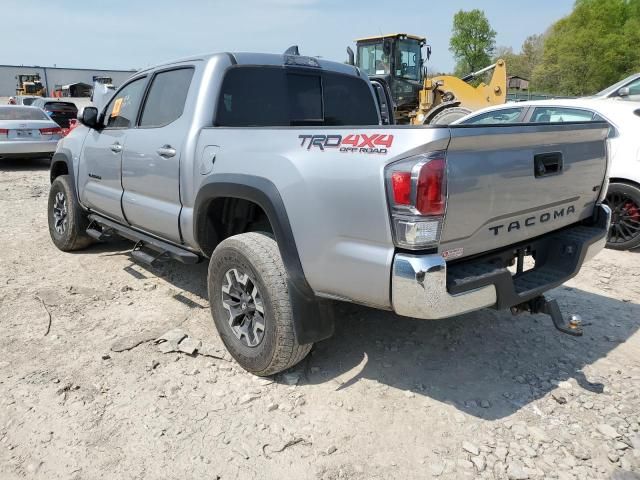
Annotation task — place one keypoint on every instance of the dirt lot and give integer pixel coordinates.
(484, 395)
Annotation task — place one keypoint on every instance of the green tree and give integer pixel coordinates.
(472, 41)
(595, 46)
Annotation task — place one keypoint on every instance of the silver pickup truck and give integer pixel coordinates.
(285, 173)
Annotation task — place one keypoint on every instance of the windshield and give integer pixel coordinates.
(408, 57)
(22, 113)
(616, 86)
(372, 59)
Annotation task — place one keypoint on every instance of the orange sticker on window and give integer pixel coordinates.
(117, 105)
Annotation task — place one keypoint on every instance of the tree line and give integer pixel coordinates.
(593, 47)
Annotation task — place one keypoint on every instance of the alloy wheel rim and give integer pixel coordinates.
(242, 300)
(625, 218)
(60, 213)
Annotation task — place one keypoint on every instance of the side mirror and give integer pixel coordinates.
(623, 92)
(88, 116)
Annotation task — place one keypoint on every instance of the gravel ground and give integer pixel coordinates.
(484, 395)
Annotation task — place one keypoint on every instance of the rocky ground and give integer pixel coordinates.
(87, 393)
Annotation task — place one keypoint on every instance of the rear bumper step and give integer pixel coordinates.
(425, 286)
(163, 249)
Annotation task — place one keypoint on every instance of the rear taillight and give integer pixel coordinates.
(417, 191)
(4, 131)
(51, 131)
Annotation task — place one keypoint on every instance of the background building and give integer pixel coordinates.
(56, 77)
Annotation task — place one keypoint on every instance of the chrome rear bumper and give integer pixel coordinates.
(419, 282)
(419, 289)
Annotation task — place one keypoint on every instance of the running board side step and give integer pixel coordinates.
(144, 243)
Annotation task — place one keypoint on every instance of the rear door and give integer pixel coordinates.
(507, 184)
(99, 175)
(151, 156)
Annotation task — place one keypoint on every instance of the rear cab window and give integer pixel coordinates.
(279, 97)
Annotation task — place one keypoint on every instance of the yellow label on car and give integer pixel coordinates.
(117, 105)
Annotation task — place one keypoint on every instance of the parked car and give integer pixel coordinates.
(627, 89)
(299, 193)
(27, 132)
(623, 195)
(60, 111)
(25, 99)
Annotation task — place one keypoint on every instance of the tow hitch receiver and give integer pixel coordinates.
(550, 307)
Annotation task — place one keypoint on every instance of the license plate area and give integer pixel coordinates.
(24, 133)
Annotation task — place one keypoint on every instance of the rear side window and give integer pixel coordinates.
(166, 98)
(504, 115)
(28, 101)
(276, 97)
(22, 113)
(123, 107)
(560, 114)
(348, 101)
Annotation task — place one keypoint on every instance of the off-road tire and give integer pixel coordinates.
(623, 193)
(73, 236)
(256, 254)
(449, 115)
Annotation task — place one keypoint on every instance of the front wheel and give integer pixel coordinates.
(624, 202)
(67, 221)
(250, 304)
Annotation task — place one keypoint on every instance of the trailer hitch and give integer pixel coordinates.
(550, 307)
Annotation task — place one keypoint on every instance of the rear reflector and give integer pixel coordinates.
(51, 131)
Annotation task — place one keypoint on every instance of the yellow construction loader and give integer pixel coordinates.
(397, 59)
(30, 84)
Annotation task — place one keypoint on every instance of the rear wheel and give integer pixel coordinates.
(624, 201)
(250, 304)
(449, 115)
(67, 221)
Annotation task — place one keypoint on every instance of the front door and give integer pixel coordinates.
(99, 175)
(151, 156)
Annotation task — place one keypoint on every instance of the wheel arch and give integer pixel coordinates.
(626, 181)
(312, 316)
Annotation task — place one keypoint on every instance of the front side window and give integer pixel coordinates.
(560, 114)
(408, 59)
(505, 115)
(372, 60)
(123, 107)
(634, 87)
(166, 98)
(278, 97)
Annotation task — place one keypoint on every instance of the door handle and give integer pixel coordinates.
(166, 151)
(116, 147)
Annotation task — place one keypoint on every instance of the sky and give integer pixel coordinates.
(132, 34)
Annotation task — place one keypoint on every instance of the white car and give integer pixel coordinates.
(626, 89)
(27, 132)
(623, 195)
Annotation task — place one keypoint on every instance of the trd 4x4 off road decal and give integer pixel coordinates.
(359, 143)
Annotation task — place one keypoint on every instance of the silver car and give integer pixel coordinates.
(27, 132)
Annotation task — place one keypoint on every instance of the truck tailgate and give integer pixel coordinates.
(511, 183)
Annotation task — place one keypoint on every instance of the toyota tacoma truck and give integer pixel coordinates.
(286, 173)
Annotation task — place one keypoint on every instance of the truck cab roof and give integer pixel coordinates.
(266, 59)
